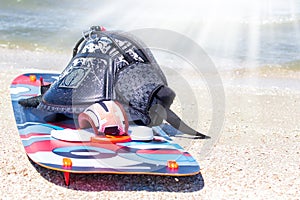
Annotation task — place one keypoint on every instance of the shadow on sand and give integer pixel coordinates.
(112, 182)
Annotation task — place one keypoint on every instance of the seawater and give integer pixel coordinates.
(259, 32)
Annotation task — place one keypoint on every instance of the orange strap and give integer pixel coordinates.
(110, 139)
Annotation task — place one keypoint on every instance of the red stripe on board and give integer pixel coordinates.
(26, 80)
(186, 154)
(33, 134)
(49, 145)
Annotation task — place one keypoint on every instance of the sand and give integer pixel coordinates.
(256, 155)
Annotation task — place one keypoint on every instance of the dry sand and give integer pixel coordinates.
(256, 156)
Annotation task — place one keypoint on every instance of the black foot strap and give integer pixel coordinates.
(177, 123)
(33, 102)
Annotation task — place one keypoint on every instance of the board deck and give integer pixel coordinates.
(133, 157)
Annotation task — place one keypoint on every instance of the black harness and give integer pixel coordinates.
(114, 66)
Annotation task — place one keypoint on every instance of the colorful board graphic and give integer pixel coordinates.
(158, 157)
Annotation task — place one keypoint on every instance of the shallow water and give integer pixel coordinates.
(234, 34)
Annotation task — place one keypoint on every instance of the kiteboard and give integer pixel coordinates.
(53, 141)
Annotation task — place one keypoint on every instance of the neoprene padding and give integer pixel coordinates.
(108, 66)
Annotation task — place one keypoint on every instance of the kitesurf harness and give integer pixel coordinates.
(109, 65)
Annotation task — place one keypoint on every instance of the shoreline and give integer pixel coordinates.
(22, 59)
(19, 57)
(267, 76)
(256, 154)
